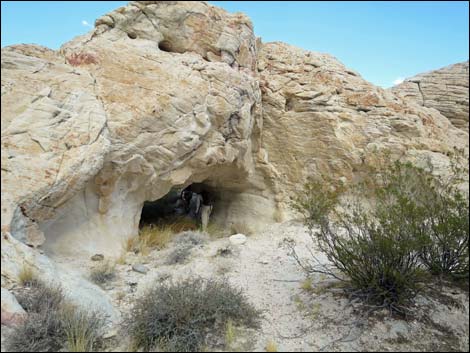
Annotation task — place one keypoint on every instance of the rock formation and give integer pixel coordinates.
(165, 94)
(445, 89)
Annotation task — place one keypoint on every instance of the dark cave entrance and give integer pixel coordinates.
(179, 204)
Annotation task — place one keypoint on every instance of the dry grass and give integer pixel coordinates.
(230, 333)
(26, 275)
(307, 285)
(157, 236)
(215, 231)
(82, 330)
(271, 346)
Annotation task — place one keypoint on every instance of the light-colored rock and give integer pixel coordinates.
(445, 89)
(12, 312)
(140, 268)
(238, 239)
(322, 119)
(167, 94)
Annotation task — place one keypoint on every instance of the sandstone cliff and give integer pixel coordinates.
(445, 89)
(165, 94)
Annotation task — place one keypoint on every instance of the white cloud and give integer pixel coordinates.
(86, 24)
(398, 80)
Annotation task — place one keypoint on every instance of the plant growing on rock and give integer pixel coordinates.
(178, 316)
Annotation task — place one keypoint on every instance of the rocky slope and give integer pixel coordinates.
(445, 89)
(165, 94)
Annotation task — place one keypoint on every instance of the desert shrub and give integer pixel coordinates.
(103, 272)
(317, 201)
(39, 297)
(178, 316)
(193, 238)
(179, 254)
(414, 220)
(439, 215)
(40, 332)
(52, 325)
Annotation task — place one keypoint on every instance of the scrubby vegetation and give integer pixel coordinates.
(53, 325)
(103, 272)
(415, 221)
(158, 236)
(178, 316)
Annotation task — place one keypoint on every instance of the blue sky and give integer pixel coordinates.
(383, 41)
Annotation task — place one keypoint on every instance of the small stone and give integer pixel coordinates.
(97, 257)
(140, 268)
(110, 334)
(238, 239)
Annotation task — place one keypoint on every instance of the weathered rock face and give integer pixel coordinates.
(164, 94)
(445, 89)
(322, 119)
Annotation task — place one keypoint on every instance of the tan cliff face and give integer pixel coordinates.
(445, 90)
(165, 94)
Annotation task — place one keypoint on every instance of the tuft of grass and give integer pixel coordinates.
(26, 276)
(83, 330)
(230, 333)
(103, 272)
(178, 316)
(158, 236)
(307, 285)
(271, 346)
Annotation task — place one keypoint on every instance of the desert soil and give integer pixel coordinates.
(295, 317)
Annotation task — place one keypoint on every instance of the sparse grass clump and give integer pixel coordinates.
(26, 275)
(52, 325)
(158, 236)
(83, 330)
(178, 316)
(103, 272)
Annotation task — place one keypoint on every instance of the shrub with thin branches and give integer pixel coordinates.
(177, 316)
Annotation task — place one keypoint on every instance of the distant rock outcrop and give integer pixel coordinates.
(165, 94)
(445, 89)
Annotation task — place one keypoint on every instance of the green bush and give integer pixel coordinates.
(413, 221)
(178, 316)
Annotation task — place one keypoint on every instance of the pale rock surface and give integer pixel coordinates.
(445, 89)
(166, 94)
(322, 119)
(237, 239)
(11, 312)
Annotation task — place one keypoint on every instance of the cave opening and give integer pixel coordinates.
(191, 205)
(165, 45)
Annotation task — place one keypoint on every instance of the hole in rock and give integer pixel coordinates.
(165, 46)
(187, 207)
(132, 35)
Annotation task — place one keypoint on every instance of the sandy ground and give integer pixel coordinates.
(295, 319)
